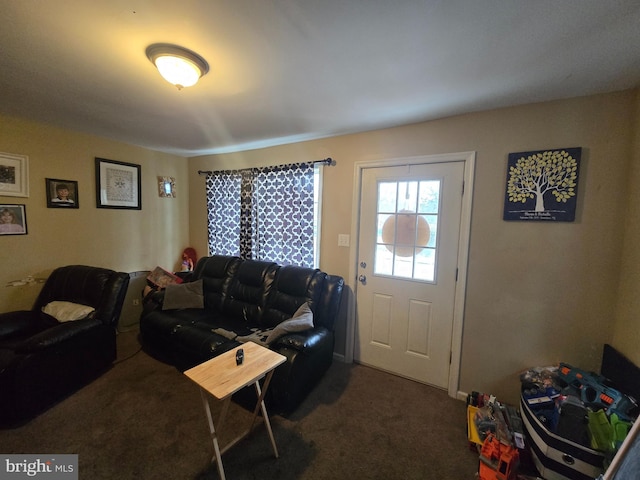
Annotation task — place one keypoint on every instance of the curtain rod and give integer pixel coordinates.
(330, 162)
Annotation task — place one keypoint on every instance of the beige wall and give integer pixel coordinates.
(626, 331)
(125, 240)
(536, 293)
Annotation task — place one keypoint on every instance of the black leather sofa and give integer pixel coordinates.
(242, 296)
(43, 360)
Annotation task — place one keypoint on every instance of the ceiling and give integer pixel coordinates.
(283, 71)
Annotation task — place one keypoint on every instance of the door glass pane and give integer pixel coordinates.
(387, 193)
(432, 220)
(407, 196)
(424, 231)
(403, 266)
(407, 225)
(425, 265)
(382, 218)
(429, 196)
(383, 261)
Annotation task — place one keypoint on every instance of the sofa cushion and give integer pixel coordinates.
(293, 286)
(248, 292)
(216, 273)
(67, 311)
(58, 335)
(301, 320)
(183, 295)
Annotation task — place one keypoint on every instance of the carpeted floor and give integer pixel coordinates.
(144, 420)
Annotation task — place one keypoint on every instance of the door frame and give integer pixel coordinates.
(469, 160)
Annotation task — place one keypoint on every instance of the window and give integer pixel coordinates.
(266, 213)
(407, 223)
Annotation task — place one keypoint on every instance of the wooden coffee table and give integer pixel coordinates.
(221, 378)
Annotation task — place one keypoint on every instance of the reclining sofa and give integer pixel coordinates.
(49, 352)
(248, 298)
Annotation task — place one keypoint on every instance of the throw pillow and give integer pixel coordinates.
(67, 311)
(301, 320)
(183, 295)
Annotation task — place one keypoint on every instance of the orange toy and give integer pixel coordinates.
(497, 460)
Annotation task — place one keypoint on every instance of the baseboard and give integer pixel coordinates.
(339, 357)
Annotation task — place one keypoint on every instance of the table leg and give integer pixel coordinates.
(214, 437)
(261, 406)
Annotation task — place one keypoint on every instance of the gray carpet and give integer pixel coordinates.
(144, 420)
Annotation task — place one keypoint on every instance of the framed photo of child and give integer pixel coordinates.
(62, 193)
(13, 220)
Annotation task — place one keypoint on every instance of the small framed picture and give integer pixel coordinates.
(118, 184)
(13, 219)
(62, 193)
(14, 175)
(167, 187)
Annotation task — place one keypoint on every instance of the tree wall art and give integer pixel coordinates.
(542, 185)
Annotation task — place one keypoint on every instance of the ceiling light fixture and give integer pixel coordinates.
(178, 66)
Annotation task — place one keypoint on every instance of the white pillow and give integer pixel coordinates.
(301, 320)
(67, 311)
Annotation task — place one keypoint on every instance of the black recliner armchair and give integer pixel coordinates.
(43, 360)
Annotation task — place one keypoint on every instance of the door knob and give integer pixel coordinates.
(363, 279)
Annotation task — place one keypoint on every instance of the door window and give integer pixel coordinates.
(407, 226)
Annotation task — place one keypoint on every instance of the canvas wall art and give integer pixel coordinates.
(542, 185)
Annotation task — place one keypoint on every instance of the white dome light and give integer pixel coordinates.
(177, 65)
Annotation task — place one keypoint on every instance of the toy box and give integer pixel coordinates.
(556, 457)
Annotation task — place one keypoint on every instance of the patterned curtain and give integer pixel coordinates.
(264, 213)
(223, 212)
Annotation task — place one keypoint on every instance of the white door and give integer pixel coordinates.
(408, 242)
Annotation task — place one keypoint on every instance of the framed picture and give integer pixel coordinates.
(62, 193)
(542, 185)
(167, 187)
(14, 175)
(118, 185)
(13, 219)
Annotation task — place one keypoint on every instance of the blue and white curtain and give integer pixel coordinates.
(264, 213)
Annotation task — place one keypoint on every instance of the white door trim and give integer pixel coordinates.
(469, 159)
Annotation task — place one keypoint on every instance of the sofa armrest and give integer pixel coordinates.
(306, 341)
(57, 335)
(23, 323)
(152, 300)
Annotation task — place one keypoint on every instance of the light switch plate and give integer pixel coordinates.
(343, 240)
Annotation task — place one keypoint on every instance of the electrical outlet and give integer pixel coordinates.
(343, 240)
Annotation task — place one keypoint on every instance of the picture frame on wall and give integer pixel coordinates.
(542, 185)
(62, 193)
(14, 175)
(167, 187)
(13, 219)
(118, 185)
